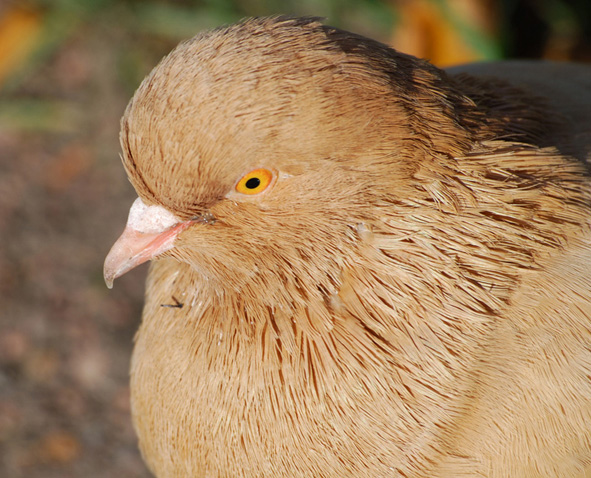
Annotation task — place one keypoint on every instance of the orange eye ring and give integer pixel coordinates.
(255, 182)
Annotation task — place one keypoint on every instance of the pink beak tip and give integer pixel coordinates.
(109, 279)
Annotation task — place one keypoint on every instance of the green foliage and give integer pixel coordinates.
(142, 31)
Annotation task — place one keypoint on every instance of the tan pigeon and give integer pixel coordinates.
(367, 267)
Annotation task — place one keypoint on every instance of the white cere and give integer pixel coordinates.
(150, 219)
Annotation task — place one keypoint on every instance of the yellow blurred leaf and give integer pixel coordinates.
(19, 28)
(425, 29)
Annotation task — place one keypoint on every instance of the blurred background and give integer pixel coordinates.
(67, 70)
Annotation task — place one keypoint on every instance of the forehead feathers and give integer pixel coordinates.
(271, 92)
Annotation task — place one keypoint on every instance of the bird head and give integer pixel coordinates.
(263, 147)
(265, 154)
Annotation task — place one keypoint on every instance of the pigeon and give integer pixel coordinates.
(362, 265)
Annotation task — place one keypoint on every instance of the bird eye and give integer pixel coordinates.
(255, 182)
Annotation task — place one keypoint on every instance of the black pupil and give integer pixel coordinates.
(253, 183)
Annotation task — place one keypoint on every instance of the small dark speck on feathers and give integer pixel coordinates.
(176, 305)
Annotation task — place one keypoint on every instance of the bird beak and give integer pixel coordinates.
(150, 231)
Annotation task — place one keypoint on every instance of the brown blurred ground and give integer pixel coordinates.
(66, 73)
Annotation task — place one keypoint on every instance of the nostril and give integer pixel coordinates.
(206, 218)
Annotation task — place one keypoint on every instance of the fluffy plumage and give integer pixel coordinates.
(409, 297)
